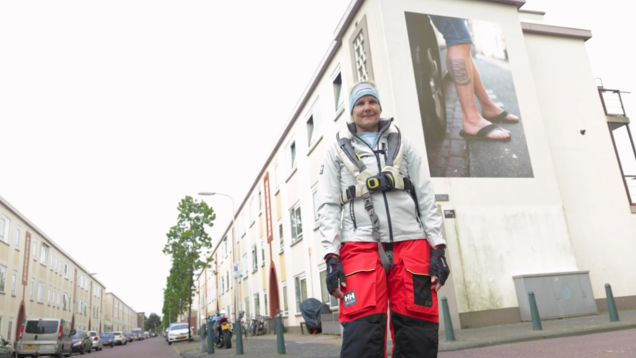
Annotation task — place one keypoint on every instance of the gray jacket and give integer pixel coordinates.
(396, 209)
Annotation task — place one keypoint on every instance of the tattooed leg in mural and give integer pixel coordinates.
(468, 84)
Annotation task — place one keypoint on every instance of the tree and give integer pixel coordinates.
(152, 323)
(189, 245)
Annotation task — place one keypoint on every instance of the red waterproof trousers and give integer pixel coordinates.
(406, 291)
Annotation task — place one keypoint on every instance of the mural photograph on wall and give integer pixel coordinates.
(469, 111)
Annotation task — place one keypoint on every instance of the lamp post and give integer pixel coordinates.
(239, 338)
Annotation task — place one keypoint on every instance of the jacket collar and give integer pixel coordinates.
(383, 125)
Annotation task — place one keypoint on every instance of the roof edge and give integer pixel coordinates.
(517, 3)
(558, 31)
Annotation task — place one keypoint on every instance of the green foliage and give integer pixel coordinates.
(189, 246)
(151, 322)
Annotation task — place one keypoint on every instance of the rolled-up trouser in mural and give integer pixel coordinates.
(407, 290)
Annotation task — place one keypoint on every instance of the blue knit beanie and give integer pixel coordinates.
(361, 90)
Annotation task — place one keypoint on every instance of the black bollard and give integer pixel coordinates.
(209, 335)
(280, 339)
(611, 305)
(448, 323)
(534, 312)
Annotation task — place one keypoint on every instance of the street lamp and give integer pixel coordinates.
(239, 338)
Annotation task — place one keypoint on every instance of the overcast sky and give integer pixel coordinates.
(112, 111)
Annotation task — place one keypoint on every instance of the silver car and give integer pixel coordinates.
(96, 340)
(119, 338)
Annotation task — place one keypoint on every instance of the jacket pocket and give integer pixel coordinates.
(417, 281)
(360, 293)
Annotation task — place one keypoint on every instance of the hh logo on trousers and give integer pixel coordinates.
(350, 298)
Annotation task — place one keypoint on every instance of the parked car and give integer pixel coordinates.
(178, 332)
(129, 337)
(146, 334)
(6, 350)
(119, 338)
(44, 336)
(95, 340)
(107, 339)
(82, 342)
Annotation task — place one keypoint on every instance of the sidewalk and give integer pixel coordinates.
(316, 346)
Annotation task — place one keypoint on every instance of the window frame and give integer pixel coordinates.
(44, 253)
(281, 236)
(3, 278)
(338, 89)
(5, 232)
(18, 233)
(298, 279)
(361, 27)
(295, 215)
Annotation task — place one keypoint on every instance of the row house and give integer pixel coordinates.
(511, 211)
(39, 279)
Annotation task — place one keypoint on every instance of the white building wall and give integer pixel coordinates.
(600, 222)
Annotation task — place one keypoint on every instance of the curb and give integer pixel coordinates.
(537, 338)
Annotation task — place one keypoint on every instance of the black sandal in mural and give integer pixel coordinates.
(501, 118)
(483, 134)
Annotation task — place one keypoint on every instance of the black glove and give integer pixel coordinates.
(438, 266)
(335, 273)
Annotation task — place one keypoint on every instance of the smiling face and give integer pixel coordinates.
(366, 114)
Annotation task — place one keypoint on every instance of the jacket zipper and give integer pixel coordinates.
(353, 215)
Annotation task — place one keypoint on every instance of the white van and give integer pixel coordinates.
(45, 336)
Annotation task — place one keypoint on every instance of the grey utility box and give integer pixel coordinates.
(330, 324)
(558, 295)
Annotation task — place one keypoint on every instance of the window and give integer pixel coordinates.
(64, 299)
(260, 201)
(66, 270)
(326, 297)
(48, 296)
(34, 252)
(14, 283)
(313, 124)
(361, 52)
(245, 266)
(17, 239)
(10, 329)
(265, 304)
(337, 91)
(31, 288)
(254, 259)
(250, 211)
(300, 284)
(247, 308)
(262, 252)
(222, 284)
(281, 238)
(4, 228)
(314, 195)
(58, 299)
(257, 304)
(51, 262)
(3, 277)
(227, 279)
(41, 292)
(296, 223)
(291, 155)
(277, 177)
(44, 252)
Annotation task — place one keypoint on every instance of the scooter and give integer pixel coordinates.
(222, 333)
